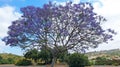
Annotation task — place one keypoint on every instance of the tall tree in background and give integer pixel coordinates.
(72, 26)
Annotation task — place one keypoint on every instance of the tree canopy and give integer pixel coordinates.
(73, 26)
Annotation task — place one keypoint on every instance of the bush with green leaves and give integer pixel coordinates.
(105, 61)
(101, 61)
(45, 56)
(24, 62)
(78, 60)
(32, 54)
(6, 61)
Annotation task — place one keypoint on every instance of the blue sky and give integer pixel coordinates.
(10, 11)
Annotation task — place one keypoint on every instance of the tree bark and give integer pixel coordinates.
(53, 62)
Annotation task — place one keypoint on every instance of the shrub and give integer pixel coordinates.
(24, 62)
(102, 61)
(78, 60)
(10, 60)
(105, 61)
(32, 54)
(115, 64)
(4, 61)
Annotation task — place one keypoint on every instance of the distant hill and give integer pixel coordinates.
(7, 58)
(9, 55)
(113, 52)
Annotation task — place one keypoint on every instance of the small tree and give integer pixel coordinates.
(32, 54)
(78, 60)
(46, 56)
(62, 56)
(73, 26)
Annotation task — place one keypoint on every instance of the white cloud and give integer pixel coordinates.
(110, 10)
(110, 7)
(76, 1)
(63, 3)
(7, 15)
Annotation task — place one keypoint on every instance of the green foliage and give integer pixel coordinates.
(46, 56)
(105, 61)
(1, 58)
(62, 56)
(7, 61)
(24, 62)
(101, 61)
(4, 61)
(115, 64)
(32, 54)
(105, 57)
(78, 60)
(9, 58)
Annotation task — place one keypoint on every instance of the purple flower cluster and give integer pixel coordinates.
(55, 25)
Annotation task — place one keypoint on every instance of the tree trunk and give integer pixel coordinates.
(53, 62)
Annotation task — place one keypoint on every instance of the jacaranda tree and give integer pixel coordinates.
(72, 26)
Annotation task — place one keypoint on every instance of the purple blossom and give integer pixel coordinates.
(68, 26)
(112, 31)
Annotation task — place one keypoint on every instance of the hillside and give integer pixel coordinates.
(110, 53)
(6, 58)
(9, 55)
